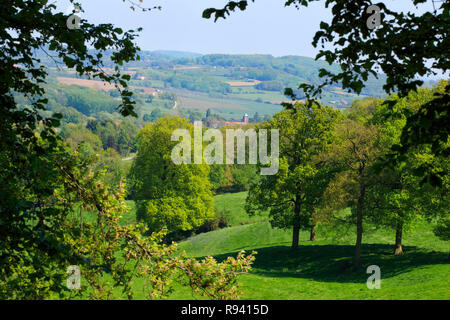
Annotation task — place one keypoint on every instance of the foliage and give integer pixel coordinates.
(406, 194)
(115, 168)
(177, 197)
(74, 135)
(290, 195)
(42, 181)
(355, 151)
(442, 230)
(88, 101)
(154, 115)
(120, 135)
(32, 255)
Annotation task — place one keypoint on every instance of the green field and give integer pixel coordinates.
(320, 269)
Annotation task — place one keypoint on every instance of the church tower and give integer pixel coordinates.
(245, 119)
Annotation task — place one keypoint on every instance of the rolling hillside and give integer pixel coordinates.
(319, 270)
(229, 84)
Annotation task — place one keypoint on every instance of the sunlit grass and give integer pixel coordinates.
(321, 269)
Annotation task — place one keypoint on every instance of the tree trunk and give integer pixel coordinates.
(359, 231)
(295, 236)
(296, 226)
(312, 235)
(398, 239)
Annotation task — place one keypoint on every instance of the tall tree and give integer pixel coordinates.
(42, 182)
(174, 196)
(400, 197)
(304, 133)
(356, 150)
(30, 151)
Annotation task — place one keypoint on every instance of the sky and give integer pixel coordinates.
(266, 27)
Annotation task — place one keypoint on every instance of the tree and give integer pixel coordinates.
(108, 133)
(442, 230)
(304, 133)
(116, 170)
(177, 197)
(70, 115)
(89, 101)
(43, 183)
(356, 151)
(393, 202)
(209, 113)
(360, 52)
(243, 176)
(126, 140)
(32, 257)
(400, 197)
(156, 114)
(316, 188)
(256, 118)
(74, 135)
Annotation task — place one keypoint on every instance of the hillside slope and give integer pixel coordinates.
(319, 270)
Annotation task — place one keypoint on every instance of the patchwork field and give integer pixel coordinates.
(232, 107)
(243, 83)
(93, 84)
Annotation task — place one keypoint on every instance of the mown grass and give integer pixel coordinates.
(321, 269)
(232, 206)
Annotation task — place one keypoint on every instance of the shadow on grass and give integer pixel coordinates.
(334, 263)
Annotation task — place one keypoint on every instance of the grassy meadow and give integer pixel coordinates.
(319, 269)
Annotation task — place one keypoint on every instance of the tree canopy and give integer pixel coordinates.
(177, 197)
(290, 195)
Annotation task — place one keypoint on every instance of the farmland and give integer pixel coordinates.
(93, 84)
(231, 85)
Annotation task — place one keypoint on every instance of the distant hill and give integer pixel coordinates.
(231, 85)
(216, 71)
(178, 54)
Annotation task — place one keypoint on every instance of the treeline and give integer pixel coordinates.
(331, 169)
(112, 140)
(108, 141)
(196, 83)
(78, 105)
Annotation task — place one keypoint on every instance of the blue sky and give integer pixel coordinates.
(267, 27)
